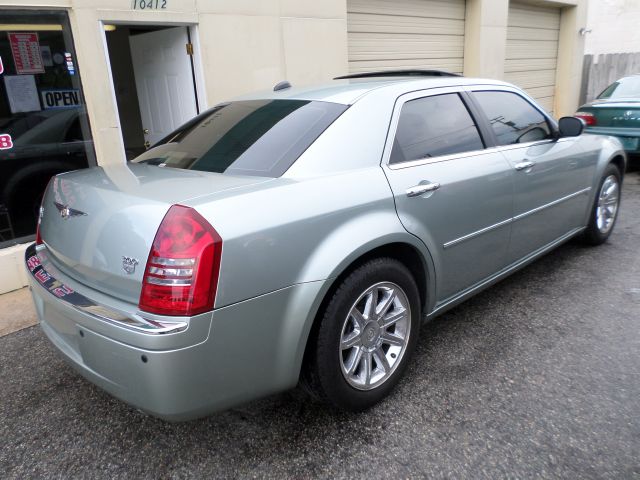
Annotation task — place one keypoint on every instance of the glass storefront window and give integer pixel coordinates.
(44, 129)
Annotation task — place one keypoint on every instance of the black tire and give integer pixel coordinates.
(323, 373)
(593, 235)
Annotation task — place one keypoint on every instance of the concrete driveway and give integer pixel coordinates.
(538, 377)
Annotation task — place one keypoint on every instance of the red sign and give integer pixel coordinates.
(6, 142)
(25, 48)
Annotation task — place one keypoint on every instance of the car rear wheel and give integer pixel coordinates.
(366, 336)
(605, 207)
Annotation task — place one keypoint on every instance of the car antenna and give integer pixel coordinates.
(281, 85)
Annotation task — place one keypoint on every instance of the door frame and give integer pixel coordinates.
(196, 61)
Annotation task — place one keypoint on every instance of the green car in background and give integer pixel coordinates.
(616, 112)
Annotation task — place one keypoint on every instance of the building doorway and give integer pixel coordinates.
(154, 82)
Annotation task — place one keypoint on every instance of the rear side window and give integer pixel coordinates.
(434, 126)
(512, 118)
(252, 137)
(628, 87)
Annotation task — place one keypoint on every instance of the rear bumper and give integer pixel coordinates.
(223, 358)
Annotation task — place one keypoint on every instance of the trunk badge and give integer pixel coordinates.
(66, 212)
(129, 264)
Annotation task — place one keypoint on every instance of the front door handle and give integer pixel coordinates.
(524, 165)
(422, 188)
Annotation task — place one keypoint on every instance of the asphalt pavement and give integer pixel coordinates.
(537, 377)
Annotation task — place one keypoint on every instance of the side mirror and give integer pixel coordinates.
(570, 126)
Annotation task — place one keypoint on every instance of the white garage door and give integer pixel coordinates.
(532, 50)
(401, 34)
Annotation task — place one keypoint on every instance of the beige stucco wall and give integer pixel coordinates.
(614, 27)
(244, 45)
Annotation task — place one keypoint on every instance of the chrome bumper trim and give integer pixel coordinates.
(75, 300)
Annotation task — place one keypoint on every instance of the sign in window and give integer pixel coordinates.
(43, 122)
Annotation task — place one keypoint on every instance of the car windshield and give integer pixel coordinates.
(628, 87)
(251, 137)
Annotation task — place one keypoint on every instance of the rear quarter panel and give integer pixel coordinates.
(601, 149)
(290, 231)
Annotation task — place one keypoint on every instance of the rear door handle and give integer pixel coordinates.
(422, 188)
(524, 165)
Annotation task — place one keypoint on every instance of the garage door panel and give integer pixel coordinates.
(532, 79)
(370, 23)
(546, 103)
(541, 92)
(401, 34)
(528, 49)
(451, 65)
(530, 16)
(529, 64)
(401, 50)
(535, 34)
(410, 8)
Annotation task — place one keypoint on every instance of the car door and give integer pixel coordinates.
(552, 177)
(450, 191)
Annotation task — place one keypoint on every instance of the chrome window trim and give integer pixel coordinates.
(393, 126)
(521, 93)
(417, 94)
(469, 236)
(441, 158)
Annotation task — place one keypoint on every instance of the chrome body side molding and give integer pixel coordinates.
(471, 235)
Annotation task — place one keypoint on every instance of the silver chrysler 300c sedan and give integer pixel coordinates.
(302, 236)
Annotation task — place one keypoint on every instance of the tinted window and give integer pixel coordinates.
(253, 137)
(624, 88)
(513, 119)
(40, 95)
(434, 126)
(74, 133)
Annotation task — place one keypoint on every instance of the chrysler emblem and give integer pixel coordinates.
(129, 264)
(66, 212)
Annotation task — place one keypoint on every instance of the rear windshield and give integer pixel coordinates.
(624, 88)
(251, 137)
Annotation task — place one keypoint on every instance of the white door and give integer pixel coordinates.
(405, 34)
(532, 51)
(164, 81)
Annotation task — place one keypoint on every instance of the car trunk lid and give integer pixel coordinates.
(98, 224)
(622, 114)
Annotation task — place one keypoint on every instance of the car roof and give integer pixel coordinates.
(348, 91)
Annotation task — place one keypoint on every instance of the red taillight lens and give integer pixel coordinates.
(588, 117)
(38, 235)
(182, 270)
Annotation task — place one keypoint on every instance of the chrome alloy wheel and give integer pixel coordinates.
(375, 335)
(607, 204)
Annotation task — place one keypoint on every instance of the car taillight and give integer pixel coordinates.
(588, 117)
(40, 214)
(181, 276)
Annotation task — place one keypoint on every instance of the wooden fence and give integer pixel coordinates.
(599, 71)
